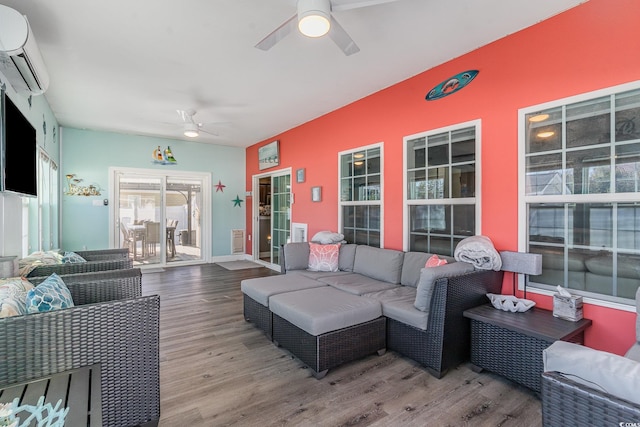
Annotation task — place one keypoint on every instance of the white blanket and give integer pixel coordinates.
(479, 251)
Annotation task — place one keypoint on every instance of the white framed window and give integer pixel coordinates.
(360, 180)
(579, 182)
(441, 188)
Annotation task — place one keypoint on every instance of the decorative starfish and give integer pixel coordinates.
(220, 186)
(237, 201)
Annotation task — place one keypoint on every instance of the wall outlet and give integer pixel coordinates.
(249, 237)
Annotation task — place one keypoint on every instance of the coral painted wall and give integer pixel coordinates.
(590, 47)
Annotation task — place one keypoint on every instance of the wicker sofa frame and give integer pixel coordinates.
(446, 342)
(102, 254)
(122, 335)
(81, 267)
(566, 402)
(259, 315)
(89, 288)
(331, 349)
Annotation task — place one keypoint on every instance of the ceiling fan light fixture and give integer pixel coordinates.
(191, 130)
(314, 17)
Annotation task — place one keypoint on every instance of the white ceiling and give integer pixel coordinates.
(127, 65)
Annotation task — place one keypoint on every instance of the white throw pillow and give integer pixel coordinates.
(327, 237)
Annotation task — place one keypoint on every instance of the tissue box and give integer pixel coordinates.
(568, 308)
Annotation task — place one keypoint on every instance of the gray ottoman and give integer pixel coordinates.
(325, 327)
(256, 294)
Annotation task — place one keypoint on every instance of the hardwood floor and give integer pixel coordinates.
(218, 370)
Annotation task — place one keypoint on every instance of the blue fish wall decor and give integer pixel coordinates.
(451, 85)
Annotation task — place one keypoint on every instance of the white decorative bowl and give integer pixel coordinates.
(510, 303)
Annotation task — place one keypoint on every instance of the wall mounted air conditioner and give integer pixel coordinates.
(20, 59)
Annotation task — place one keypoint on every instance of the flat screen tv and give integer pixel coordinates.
(18, 147)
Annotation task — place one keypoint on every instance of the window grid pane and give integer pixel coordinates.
(441, 167)
(360, 184)
(592, 247)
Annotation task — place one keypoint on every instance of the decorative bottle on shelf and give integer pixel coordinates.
(168, 155)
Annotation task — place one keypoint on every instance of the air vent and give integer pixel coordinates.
(237, 242)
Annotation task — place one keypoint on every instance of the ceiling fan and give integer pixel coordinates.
(191, 128)
(315, 19)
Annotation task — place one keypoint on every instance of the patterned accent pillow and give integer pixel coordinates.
(323, 257)
(52, 294)
(33, 260)
(13, 296)
(434, 261)
(72, 258)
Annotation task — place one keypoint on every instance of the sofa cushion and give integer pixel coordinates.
(381, 264)
(428, 277)
(262, 288)
(13, 296)
(51, 294)
(628, 266)
(412, 263)
(296, 256)
(600, 370)
(323, 257)
(397, 304)
(356, 284)
(347, 257)
(317, 274)
(322, 310)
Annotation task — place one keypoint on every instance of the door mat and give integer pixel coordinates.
(238, 265)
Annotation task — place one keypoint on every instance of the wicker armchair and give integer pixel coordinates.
(567, 402)
(122, 335)
(81, 267)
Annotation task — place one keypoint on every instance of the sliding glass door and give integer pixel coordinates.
(158, 216)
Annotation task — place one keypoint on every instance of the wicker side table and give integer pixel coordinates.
(511, 344)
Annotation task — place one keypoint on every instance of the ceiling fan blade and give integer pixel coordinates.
(357, 4)
(342, 39)
(207, 132)
(278, 34)
(186, 115)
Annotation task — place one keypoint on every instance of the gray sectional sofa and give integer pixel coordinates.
(418, 310)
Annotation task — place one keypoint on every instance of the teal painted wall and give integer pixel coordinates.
(90, 154)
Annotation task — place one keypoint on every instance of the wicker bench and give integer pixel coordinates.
(325, 327)
(119, 332)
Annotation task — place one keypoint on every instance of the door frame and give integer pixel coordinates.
(255, 213)
(114, 228)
